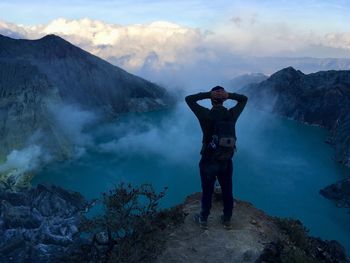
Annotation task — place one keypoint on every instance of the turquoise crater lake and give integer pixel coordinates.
(280, 165)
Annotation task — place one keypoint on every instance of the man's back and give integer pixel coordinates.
(207, 117)
(211, 167)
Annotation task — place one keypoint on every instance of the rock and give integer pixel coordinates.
(321, 98)
(39, 224)
(19, 216)
(339, 192)
(328, 251)
(244, 243)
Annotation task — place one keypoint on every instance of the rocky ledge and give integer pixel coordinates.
(255, 237)
(39, 224)
(42, 225)
(339, 192)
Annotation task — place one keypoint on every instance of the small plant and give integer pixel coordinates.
(295, 230)
(130, 227)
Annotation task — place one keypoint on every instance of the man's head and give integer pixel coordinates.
(217, 101)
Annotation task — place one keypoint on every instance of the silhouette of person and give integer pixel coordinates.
(210, 168)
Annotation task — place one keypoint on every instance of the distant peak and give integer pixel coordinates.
(52, 37)
(287, 73)
(290, 68)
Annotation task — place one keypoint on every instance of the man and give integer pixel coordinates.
(209, 166)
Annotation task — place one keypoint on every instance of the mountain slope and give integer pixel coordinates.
(321, 98)
(41, 79)
(83, 78)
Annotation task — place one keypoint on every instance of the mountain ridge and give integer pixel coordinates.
(40, 78)
(321, 98)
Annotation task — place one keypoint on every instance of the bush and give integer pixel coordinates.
(295, 230)
(130, 229)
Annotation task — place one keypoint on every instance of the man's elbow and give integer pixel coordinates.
(188, 99)
(243, 98)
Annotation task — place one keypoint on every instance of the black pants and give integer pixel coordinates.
(209, 171)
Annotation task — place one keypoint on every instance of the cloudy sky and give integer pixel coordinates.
(164, 36)
(318, 15)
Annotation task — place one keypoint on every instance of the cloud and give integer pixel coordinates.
(71, 123)
(164, 141)
(338, 40)
(178, 56)
(244, 21)
(74, 123)
(131, 44)
(237, 21)
(20, 163)
(12, 30)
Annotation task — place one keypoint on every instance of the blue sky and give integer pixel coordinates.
(320, 16)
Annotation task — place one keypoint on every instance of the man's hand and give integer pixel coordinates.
(219, 94)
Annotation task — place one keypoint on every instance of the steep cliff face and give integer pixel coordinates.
(24, 96)
(39, 224)
(82, 78)
(321, 98)
(255, 237)
(39, 78)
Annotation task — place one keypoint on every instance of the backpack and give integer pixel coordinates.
(223, 144)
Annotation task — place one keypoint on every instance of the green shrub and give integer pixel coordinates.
(131, 227)
(295, 230)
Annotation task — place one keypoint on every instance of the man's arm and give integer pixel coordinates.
(197, 109)
(241, 102)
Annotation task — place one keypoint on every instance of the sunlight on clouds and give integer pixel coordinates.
(169, 41)
(164, 50)
(338, 40)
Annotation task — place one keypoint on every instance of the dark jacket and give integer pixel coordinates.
(206, 116)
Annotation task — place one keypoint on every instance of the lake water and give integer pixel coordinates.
(280, 165)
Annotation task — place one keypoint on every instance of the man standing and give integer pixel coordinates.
(219, 136)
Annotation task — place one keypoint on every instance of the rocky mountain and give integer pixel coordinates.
(38, 78)
(42, 224)
(307, 64)
(80, 77)
(321, 98)
(39, 224)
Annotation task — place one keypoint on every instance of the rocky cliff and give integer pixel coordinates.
(42, 225)
(39, 78)
(80, 77)
(254, 237)
(39, 224)
(338, 192)
(321, 98)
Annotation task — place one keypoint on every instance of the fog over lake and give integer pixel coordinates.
(280, 165)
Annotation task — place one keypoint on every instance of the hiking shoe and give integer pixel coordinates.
(226, 222)
(199, 220)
